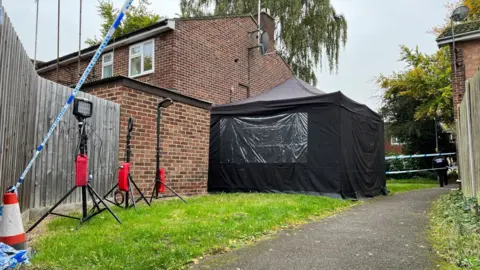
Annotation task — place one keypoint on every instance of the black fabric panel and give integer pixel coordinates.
(279, 138)
(276, 106)
(289, 178)
(345, 150)
(363, 155)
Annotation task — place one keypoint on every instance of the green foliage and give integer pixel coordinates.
(307, 30)
(473, 15)
(170, 234)
(426, 80)
(136, 18)
(415, 96)
(455, 230)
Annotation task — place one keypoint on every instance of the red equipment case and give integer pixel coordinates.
(81, 170)
(123, 177)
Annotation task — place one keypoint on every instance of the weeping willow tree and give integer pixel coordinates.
(307, 32)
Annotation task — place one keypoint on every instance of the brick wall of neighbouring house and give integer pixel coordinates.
(163, 75)
(204, 58)
(458, 79)
(389, 148)
(214, 58)
(184, 139)
(468, 63)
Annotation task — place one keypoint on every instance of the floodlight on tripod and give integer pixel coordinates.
(82, 110)
(160, 175)
(125, 183)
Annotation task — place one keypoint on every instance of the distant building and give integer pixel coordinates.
(467, 46)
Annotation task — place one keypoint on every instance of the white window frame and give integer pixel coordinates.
(130, 56)
(397, 141)
(104, 64)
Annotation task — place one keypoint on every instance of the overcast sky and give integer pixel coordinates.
(376, 29)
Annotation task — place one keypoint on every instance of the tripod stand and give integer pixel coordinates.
(158, 184)
(125, 179)
(81, 176)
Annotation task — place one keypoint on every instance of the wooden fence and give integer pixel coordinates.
(468, 138)
(28, 106)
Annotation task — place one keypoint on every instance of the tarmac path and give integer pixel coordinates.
(384, 233)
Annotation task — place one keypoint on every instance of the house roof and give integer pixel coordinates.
(464, 31)
(148, 88)
(161, 23)
(113, 40)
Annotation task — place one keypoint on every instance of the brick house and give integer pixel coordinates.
(392, 144)
(196, 62)
(467, 48)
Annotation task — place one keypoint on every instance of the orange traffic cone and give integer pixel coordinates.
(11, 225)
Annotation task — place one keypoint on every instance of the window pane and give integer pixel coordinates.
(280, 138)
(107, 58)
(107, 71)
(135, 50)
(135, 67)
(148, 56)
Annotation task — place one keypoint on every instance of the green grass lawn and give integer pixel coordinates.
(171, 234)
(403, 185)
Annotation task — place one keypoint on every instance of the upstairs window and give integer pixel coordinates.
(396, 141)
(141, 59)
(107, 65)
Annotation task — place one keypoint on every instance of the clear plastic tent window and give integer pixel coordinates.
(264, 139)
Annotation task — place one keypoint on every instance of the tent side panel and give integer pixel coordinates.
(363, 154)
(293, 151)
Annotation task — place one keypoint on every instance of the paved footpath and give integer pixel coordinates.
(384, 233)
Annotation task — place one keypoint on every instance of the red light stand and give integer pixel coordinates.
(159, 184)
(82, 181)
(125, 180)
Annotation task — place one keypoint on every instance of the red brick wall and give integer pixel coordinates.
(207, 59)
(215, 61)
(163, 75)
(468, 63)
(184, 139)
(389, 148)
(458, 79)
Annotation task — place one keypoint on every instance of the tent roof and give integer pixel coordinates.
(289, 89)
(288, 95)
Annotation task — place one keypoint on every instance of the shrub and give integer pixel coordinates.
(455, 230)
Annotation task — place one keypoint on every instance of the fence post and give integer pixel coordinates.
(469, 137)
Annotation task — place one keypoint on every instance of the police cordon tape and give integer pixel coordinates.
(420, 155)
(421, 170)
(89, 68)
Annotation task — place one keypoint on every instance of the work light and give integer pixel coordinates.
(165, 103)
(82, 108)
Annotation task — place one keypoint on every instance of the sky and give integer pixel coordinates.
(376, 29)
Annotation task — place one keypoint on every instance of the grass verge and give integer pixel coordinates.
(170, 234)
(403, 185)
(455, 231)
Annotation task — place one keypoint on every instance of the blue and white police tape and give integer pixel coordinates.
(99, 51)
(420, 155)
(420, 170)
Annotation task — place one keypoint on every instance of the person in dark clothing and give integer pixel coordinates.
(440, 163)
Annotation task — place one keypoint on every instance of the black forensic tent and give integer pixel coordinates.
(295, 138)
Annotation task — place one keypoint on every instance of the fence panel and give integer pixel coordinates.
(468, 137)
(29, 105)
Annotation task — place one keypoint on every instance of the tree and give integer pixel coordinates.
(136, 18)
(307, 30)
(413, 98)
